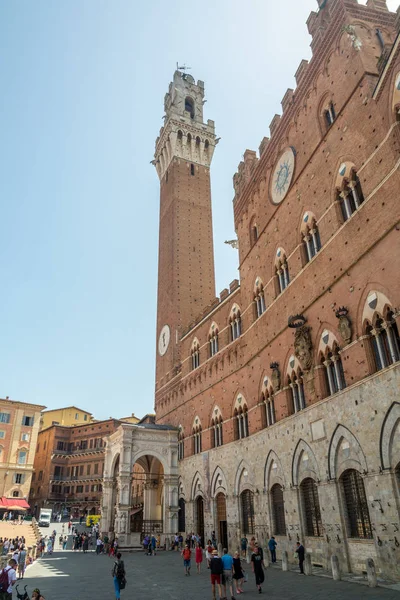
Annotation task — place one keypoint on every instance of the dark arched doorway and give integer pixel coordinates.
(200, 518)
(182, 516)
(222, 526)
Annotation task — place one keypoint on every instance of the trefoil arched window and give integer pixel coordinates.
(334, 373)
(351, 197)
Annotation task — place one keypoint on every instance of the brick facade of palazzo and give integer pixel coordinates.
(68, 467)
(294, 431)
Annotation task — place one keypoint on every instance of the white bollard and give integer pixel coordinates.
(335, 568)
(284, 561)
(307, 564)
(371, 573)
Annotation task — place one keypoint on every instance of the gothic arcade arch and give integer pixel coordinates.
(218, 483)
(345, 452)
(389, 443)
(244, 478)
(197, 488)
(304, 463)
(273, 471)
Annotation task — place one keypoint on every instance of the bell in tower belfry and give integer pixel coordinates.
(183, 155)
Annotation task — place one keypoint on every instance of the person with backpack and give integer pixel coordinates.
(118, 574)
(21, 562)
(8, 577)
(216, 568)
(187, 554)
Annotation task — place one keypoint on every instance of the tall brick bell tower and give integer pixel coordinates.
(186, 282)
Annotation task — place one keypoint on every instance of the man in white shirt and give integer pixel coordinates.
(12, 578)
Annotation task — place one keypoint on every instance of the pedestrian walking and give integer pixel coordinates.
(50, 546)
(209, 549)
(8, 577)
(99, 546)
(227, 582)
(243, 546)
(64, 545)
(118, 574)
(153, 545)
(199, 557)
(85, 545)
(21, 562)
(272, 548)
(257, 562)
(187, 555)
(300, 555)
(216, 568)
(238, 574)
(213, 539)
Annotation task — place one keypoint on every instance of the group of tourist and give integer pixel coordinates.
(8, 577)
(14, 517)
(226, 569)
(45, 545)
(151, 543)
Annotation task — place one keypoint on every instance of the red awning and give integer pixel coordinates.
(14, 503)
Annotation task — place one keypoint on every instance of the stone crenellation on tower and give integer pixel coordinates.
(184, 135)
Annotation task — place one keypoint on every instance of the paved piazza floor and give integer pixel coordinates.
(72, 576)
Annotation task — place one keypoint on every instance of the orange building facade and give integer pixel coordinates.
(19, 426)
(285, 389)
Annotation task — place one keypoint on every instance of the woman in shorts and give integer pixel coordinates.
(187, 554)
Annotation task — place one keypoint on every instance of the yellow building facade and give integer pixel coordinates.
(67, 416)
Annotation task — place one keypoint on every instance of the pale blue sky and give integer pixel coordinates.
(83, 83)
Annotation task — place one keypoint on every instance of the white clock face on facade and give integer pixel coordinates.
(163, 340)
(282, 177)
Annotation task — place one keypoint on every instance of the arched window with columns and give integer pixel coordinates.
(197, 434)
(334, 374)
(296, 385)
(195, 354)
(235, 323)
(241, 423)
(384, 340)
(216, 429)
(213, 339)
(181, 444)
(259, 299)
(268, 404)
(350, 195)
(310, 236)
(282, 269)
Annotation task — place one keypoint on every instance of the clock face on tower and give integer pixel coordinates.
(163, 340)
(282, 176)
